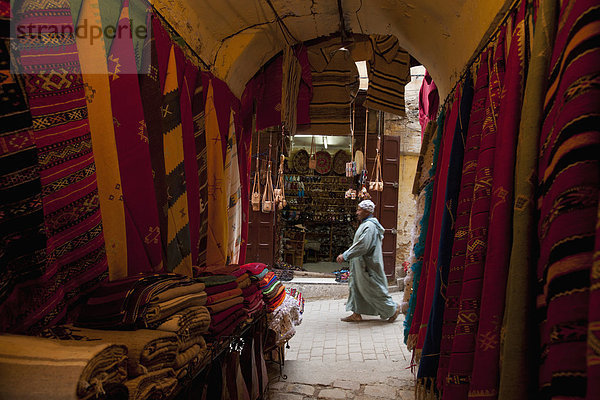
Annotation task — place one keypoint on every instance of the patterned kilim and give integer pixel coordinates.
(389, 72)
(76, 257)
(143, 232)
(335, 83)
(427, 273)
(234, 206)
(152, 102)
(431, 347)
(216, 253)
(438, 208)
(22, 236)
(416, 298)
(518, 375)
(190, 74)
(484, 380)
(568, 179)
(92, 59)
(483, 119)
(179, 258)
(463, 214)
(201, 160)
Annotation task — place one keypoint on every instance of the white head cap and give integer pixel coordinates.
(367, 205)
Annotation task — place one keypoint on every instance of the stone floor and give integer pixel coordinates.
(331, 359)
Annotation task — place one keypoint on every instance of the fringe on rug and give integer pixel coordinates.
(425, 389)
(412, 341)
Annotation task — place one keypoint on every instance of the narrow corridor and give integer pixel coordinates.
(331, 359)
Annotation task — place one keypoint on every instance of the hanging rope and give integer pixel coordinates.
(351, 166)
(255, 200)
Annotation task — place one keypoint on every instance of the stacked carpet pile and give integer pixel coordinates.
(284, 309)
(272, 289)
(171, 309)
(224, 303)
(148, 350)
(34, 367)
(253, 300)
(135, 302)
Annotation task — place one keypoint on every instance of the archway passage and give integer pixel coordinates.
(236, 38)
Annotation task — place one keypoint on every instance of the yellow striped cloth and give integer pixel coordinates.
(179, 257)
(216, 249)
(234, 192)
(95, 76)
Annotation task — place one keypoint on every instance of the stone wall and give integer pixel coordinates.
(409, 130)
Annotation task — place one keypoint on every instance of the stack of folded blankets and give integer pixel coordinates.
(225, 303)
(272, 289)
(285, 309)
(35, 367)
(172, 310)
(253, 299)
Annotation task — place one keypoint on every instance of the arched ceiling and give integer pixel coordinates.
(236, 37)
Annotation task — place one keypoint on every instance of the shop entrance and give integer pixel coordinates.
(319, 220)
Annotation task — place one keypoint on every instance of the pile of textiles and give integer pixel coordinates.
(253, 299)
(147, 350)
(272, 289)
(35, 367)
(171, 309)
(140, 301)
(225, 303)
(284, 308)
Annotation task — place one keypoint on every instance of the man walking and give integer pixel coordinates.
(367, 282)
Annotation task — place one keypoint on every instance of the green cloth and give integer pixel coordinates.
(518, 348)
(367, 282)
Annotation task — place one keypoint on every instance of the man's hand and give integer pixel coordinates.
(340, 259)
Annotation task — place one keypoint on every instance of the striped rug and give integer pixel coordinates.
(76, 256)
(179, 258)
(568, 181)
(144, 249)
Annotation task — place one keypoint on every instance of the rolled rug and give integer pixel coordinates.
(34, 367)
(149, 350)
(153, 385)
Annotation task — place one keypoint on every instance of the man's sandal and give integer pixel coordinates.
(393, 317)
(352, 318)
